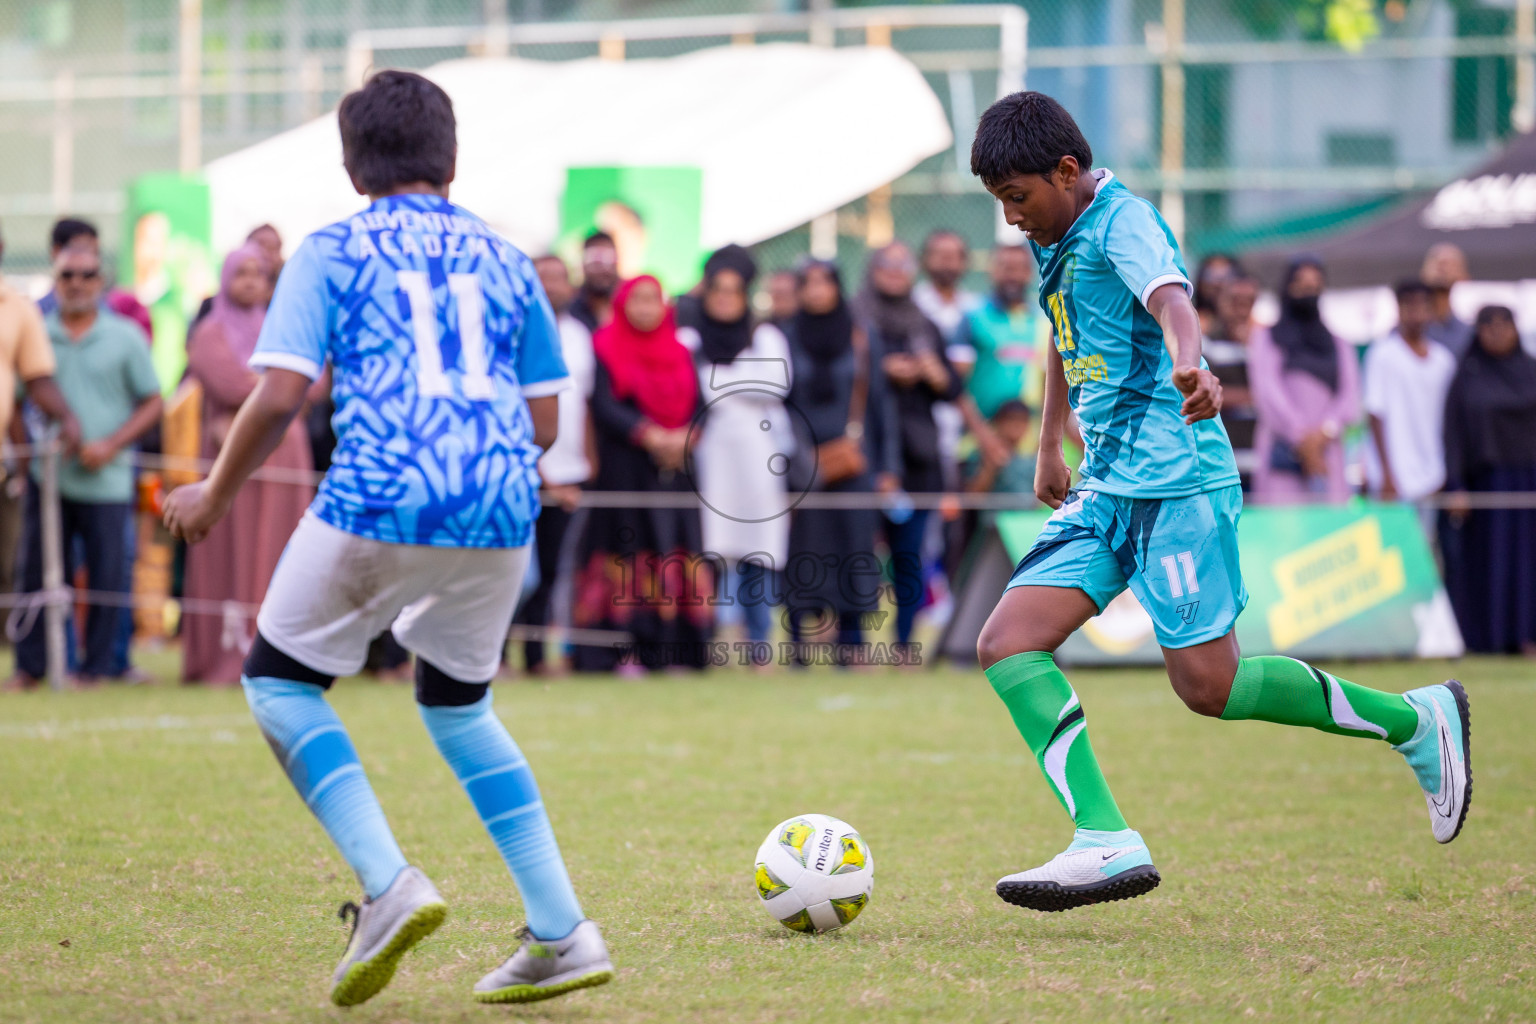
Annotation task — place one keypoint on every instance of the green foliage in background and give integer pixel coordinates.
(1350, 23)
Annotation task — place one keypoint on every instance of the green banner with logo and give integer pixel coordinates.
(1351, 581)
(653, 214)
(168, 261)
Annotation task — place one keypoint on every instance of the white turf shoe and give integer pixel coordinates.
(1440, 754)
(1098, 867)
(543, 970)
(383, 929)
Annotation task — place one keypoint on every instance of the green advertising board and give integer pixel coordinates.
(1351, 581)
(653, 213)
(168, 261)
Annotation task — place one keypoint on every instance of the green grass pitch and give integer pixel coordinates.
(155, 864)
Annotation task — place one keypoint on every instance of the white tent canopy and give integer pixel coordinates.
(783, 133)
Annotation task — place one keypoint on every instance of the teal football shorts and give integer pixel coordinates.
(1178, 556)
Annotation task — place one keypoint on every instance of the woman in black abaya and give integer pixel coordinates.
(1490, 446)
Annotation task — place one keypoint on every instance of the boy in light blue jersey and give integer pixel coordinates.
(445, 364)
(1155, 510)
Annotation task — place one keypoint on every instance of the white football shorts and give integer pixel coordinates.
(333, 592)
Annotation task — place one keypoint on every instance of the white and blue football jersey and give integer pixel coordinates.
(437, 331)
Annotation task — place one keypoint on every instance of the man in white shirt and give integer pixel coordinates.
(566, 465)
(1406, 379)
(946, 258)
(1445, 266)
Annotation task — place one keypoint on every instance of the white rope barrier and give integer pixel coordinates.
(55, 598)
(813, 499)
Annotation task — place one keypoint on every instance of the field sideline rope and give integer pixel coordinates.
(954, 500)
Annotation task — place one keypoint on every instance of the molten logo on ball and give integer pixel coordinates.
(821, 892)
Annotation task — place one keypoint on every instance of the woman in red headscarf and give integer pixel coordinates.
(227, 574)
(643, 572)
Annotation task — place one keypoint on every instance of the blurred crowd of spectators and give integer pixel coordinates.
(1432, 413)
(752, 390)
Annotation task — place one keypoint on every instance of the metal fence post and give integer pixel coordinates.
(1523, 117)
(1172, 163)
(56, 598)
(189, 113)
(63, 180)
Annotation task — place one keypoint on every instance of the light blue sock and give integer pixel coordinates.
(500, 784)
(314, 749)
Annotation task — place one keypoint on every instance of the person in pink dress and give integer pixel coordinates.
(1306, 392)
(227, 574)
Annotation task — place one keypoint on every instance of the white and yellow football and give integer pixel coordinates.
(814, 873)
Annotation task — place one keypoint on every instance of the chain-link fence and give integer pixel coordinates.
(1246, 119)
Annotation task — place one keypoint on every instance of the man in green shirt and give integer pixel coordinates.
(107, 377)
(1008, 338)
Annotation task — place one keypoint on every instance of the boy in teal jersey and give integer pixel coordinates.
(1156, 510)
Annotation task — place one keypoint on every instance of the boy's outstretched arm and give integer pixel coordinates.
(1171, 308)
(1053, 478)
(191, 511)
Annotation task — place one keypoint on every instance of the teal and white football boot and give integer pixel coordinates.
(1440, 754)
(543, 969)
(1099, 867)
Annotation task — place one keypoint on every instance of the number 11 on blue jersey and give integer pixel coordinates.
(432, 381)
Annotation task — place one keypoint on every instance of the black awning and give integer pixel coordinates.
(1490, 213)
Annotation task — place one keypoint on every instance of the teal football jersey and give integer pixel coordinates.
(1094, 285)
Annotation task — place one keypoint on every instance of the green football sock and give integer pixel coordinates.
(1048, 716)
(1290, 692)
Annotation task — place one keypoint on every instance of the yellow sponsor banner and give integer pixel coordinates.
(1333, 579)
(1325, 582)
(1121, 628)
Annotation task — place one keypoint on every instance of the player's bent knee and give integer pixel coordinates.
(267, 662)
(1204, 693)
(1205, 702)
(995, 644)
(437, 689)
(988, 648)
